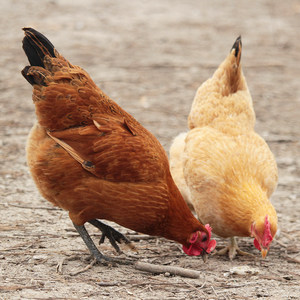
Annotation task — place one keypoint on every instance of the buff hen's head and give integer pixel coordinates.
(263, 232)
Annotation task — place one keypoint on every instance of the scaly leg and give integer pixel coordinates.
(232, 250)
(112, 235)
(90, 244)
(94, 250)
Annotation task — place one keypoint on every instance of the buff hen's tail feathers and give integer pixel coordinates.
(237, 46)
(234, 76)
(224, 92)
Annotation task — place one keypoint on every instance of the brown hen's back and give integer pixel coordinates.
(93, 159)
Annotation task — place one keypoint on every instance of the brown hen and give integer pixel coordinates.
(90, 157)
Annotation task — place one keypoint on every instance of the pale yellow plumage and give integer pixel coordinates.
(228, 169)
(176, 167)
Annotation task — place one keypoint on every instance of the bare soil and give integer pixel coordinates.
(150, 56)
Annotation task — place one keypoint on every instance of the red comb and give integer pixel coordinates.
(267, 236)
(208, 228)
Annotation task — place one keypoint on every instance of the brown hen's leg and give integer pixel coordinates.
(112, 235)
(232, 250)
(94, 250)
(90, 244)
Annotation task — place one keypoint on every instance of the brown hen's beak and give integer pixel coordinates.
(264, 252)
(204, 257)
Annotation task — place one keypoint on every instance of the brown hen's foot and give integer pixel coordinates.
(95, 252)
(232, 249)
(113, 235)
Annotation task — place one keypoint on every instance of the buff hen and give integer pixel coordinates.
(223, 168)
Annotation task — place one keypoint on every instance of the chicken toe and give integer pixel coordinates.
(113, 235)
(232, 249)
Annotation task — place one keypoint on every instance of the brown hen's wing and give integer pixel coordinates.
(111, 150)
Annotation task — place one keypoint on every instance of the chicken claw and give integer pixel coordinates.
(112, 235)
(232, 249)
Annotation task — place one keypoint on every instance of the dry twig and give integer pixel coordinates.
(7, 288)
(292, 259)
(140, 237)
(195, 288)
(156, 269)
(280, 243)
(108, 283)
(214, 290)
(84, 269)
(59, 266)
(287, 235)
(33, 207)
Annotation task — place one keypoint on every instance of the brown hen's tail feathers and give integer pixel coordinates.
(237, 46)
(36, 46)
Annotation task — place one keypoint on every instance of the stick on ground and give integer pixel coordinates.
(156, 269)
(84, 269)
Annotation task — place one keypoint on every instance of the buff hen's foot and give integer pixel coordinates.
(232, 249)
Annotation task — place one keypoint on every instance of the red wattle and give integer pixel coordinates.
(211, 246)
(256, 244)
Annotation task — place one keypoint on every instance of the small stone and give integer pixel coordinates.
(39, 257)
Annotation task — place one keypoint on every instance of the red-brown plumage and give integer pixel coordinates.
(90, 157)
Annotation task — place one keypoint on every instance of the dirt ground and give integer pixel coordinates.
(149, 56)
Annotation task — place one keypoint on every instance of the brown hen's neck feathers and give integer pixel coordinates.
(180, 223)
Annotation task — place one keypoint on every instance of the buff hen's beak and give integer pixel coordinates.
(264, 252)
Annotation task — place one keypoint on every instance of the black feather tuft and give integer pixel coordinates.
(29, 78)
(237, 46)
(36, 46)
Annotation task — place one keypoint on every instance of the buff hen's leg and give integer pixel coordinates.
(232, 249)
(112, 235)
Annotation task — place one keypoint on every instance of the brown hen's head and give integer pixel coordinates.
(264, 233)
(200, 243)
